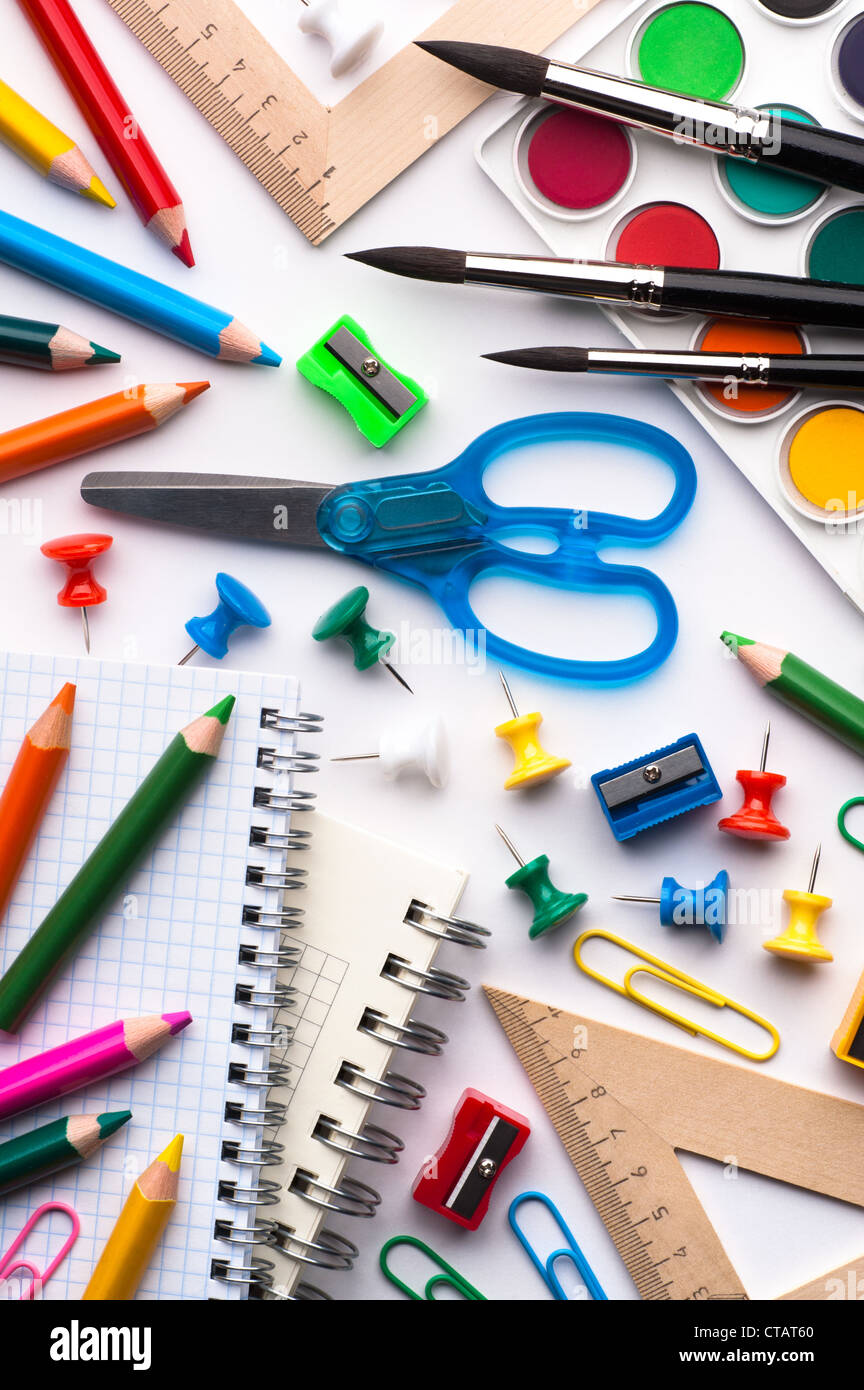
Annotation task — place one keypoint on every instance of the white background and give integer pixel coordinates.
(731, 564)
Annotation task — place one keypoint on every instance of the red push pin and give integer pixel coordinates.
(81, 590)
(756, 820)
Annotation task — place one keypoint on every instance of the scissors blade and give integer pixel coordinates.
(264, 509)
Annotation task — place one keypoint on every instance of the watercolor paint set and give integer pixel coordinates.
(596, 190)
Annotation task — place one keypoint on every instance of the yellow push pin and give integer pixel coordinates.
(533, 763)
(800, 940)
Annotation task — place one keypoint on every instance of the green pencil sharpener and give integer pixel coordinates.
(379, 399)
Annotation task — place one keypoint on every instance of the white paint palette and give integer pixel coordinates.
(803, 452)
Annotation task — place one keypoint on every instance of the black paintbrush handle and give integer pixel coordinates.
(820, 372)
(829, 156)
(778, 298)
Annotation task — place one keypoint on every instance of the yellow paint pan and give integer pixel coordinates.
(821, 461)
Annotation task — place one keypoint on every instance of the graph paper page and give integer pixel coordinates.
(168, 941)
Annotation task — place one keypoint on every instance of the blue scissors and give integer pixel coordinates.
(440, 529)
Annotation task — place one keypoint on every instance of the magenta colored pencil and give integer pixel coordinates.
(91, 1057)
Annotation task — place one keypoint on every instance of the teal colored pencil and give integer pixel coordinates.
(52, 1147)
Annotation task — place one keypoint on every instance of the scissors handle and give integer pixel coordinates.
(438, 530)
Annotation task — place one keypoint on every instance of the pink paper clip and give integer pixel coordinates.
(8, 1266)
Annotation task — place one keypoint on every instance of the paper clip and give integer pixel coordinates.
(570, 1251)
(671, 976)
(841, 820)
(8, 1266)
(450, 1276)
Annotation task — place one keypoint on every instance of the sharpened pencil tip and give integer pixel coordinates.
(222, 710)
(172, 1154)
(193, 388)
(65, 698)
(112, 1120)
(98, 193)
(183, 250)
(101, 354)
(177, 1022)
(733, 641)
(267, 357)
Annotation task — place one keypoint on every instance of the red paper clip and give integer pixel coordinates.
(458, 1180)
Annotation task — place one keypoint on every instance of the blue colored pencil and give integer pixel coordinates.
(123, 291)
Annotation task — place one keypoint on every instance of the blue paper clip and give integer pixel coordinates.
(448, 1277)
(570, 1251)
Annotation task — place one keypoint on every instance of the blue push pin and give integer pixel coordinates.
(690, 907)
(238, 607)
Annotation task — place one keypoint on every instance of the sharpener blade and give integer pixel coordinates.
(387, 389)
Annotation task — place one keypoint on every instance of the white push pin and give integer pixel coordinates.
(352, 37)
(411, 747)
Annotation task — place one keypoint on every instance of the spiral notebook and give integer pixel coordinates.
(295, 1016)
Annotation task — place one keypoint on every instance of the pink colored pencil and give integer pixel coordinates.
(91, 1057)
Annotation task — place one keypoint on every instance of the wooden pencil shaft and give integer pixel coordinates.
(34, 1156)
(29, 788)
(101, 877)
(46, 148)
(130, 1246)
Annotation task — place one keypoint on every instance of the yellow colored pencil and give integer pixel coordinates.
(139, 1227)
(46, 149)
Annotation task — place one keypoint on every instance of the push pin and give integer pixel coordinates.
(352, 37)
(346, 619)
(800, 940)
(237, 607)
(690, 907)
(409, 748)
(551, 906)
(756, 820)
(533, 764)
(81, 589)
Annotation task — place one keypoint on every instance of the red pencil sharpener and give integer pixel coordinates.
(457, 1181)
(756, 820)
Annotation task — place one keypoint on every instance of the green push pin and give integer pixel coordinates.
(346, 619)
(551, 906)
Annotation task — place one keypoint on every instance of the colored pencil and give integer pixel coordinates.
(108, 420)
(46, 149)
(151, 808)
(113, 286)
(46, 1150)
(80, 1061)
(48, 346)
(117, 133)
(130, 1246)
(25, 797)
(805, 689)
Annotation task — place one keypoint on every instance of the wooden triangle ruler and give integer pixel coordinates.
(622, 1104)
(322, 163)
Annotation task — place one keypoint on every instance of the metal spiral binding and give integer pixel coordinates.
(257, 1116)
(439, 983)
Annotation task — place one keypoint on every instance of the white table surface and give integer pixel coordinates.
(731, 564)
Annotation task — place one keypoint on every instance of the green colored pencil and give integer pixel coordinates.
(819, 699)
(48, 346)
(153, 805)
(36, 1155)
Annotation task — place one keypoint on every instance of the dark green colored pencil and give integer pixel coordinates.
(43, 1151)
(103, 875)
(48, 346)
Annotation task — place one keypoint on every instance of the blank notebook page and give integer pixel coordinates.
(168, 942)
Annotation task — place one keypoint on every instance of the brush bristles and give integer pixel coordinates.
(546, 359)
(417, 262)
(508, 68)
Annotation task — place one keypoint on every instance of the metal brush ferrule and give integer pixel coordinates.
(624, 284)
(751, 369)
(715, 125)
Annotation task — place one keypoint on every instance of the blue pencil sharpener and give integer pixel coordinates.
(656, 787)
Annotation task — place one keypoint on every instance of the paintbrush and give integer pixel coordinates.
(828, 372)
(737, 294)
(830, 156)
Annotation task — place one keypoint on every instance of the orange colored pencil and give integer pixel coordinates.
(30, 787)
(91, 426)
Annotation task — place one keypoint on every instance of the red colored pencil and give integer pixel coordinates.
(122, 142)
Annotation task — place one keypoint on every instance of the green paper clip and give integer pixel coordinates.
(449, 1277)
(379, 399)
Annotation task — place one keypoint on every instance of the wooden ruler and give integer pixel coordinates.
(622, 1104)
(322, 163)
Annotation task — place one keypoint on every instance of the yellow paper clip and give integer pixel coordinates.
(448, 1277)
(671, 976)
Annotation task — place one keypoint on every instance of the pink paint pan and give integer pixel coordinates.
(572, 164)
